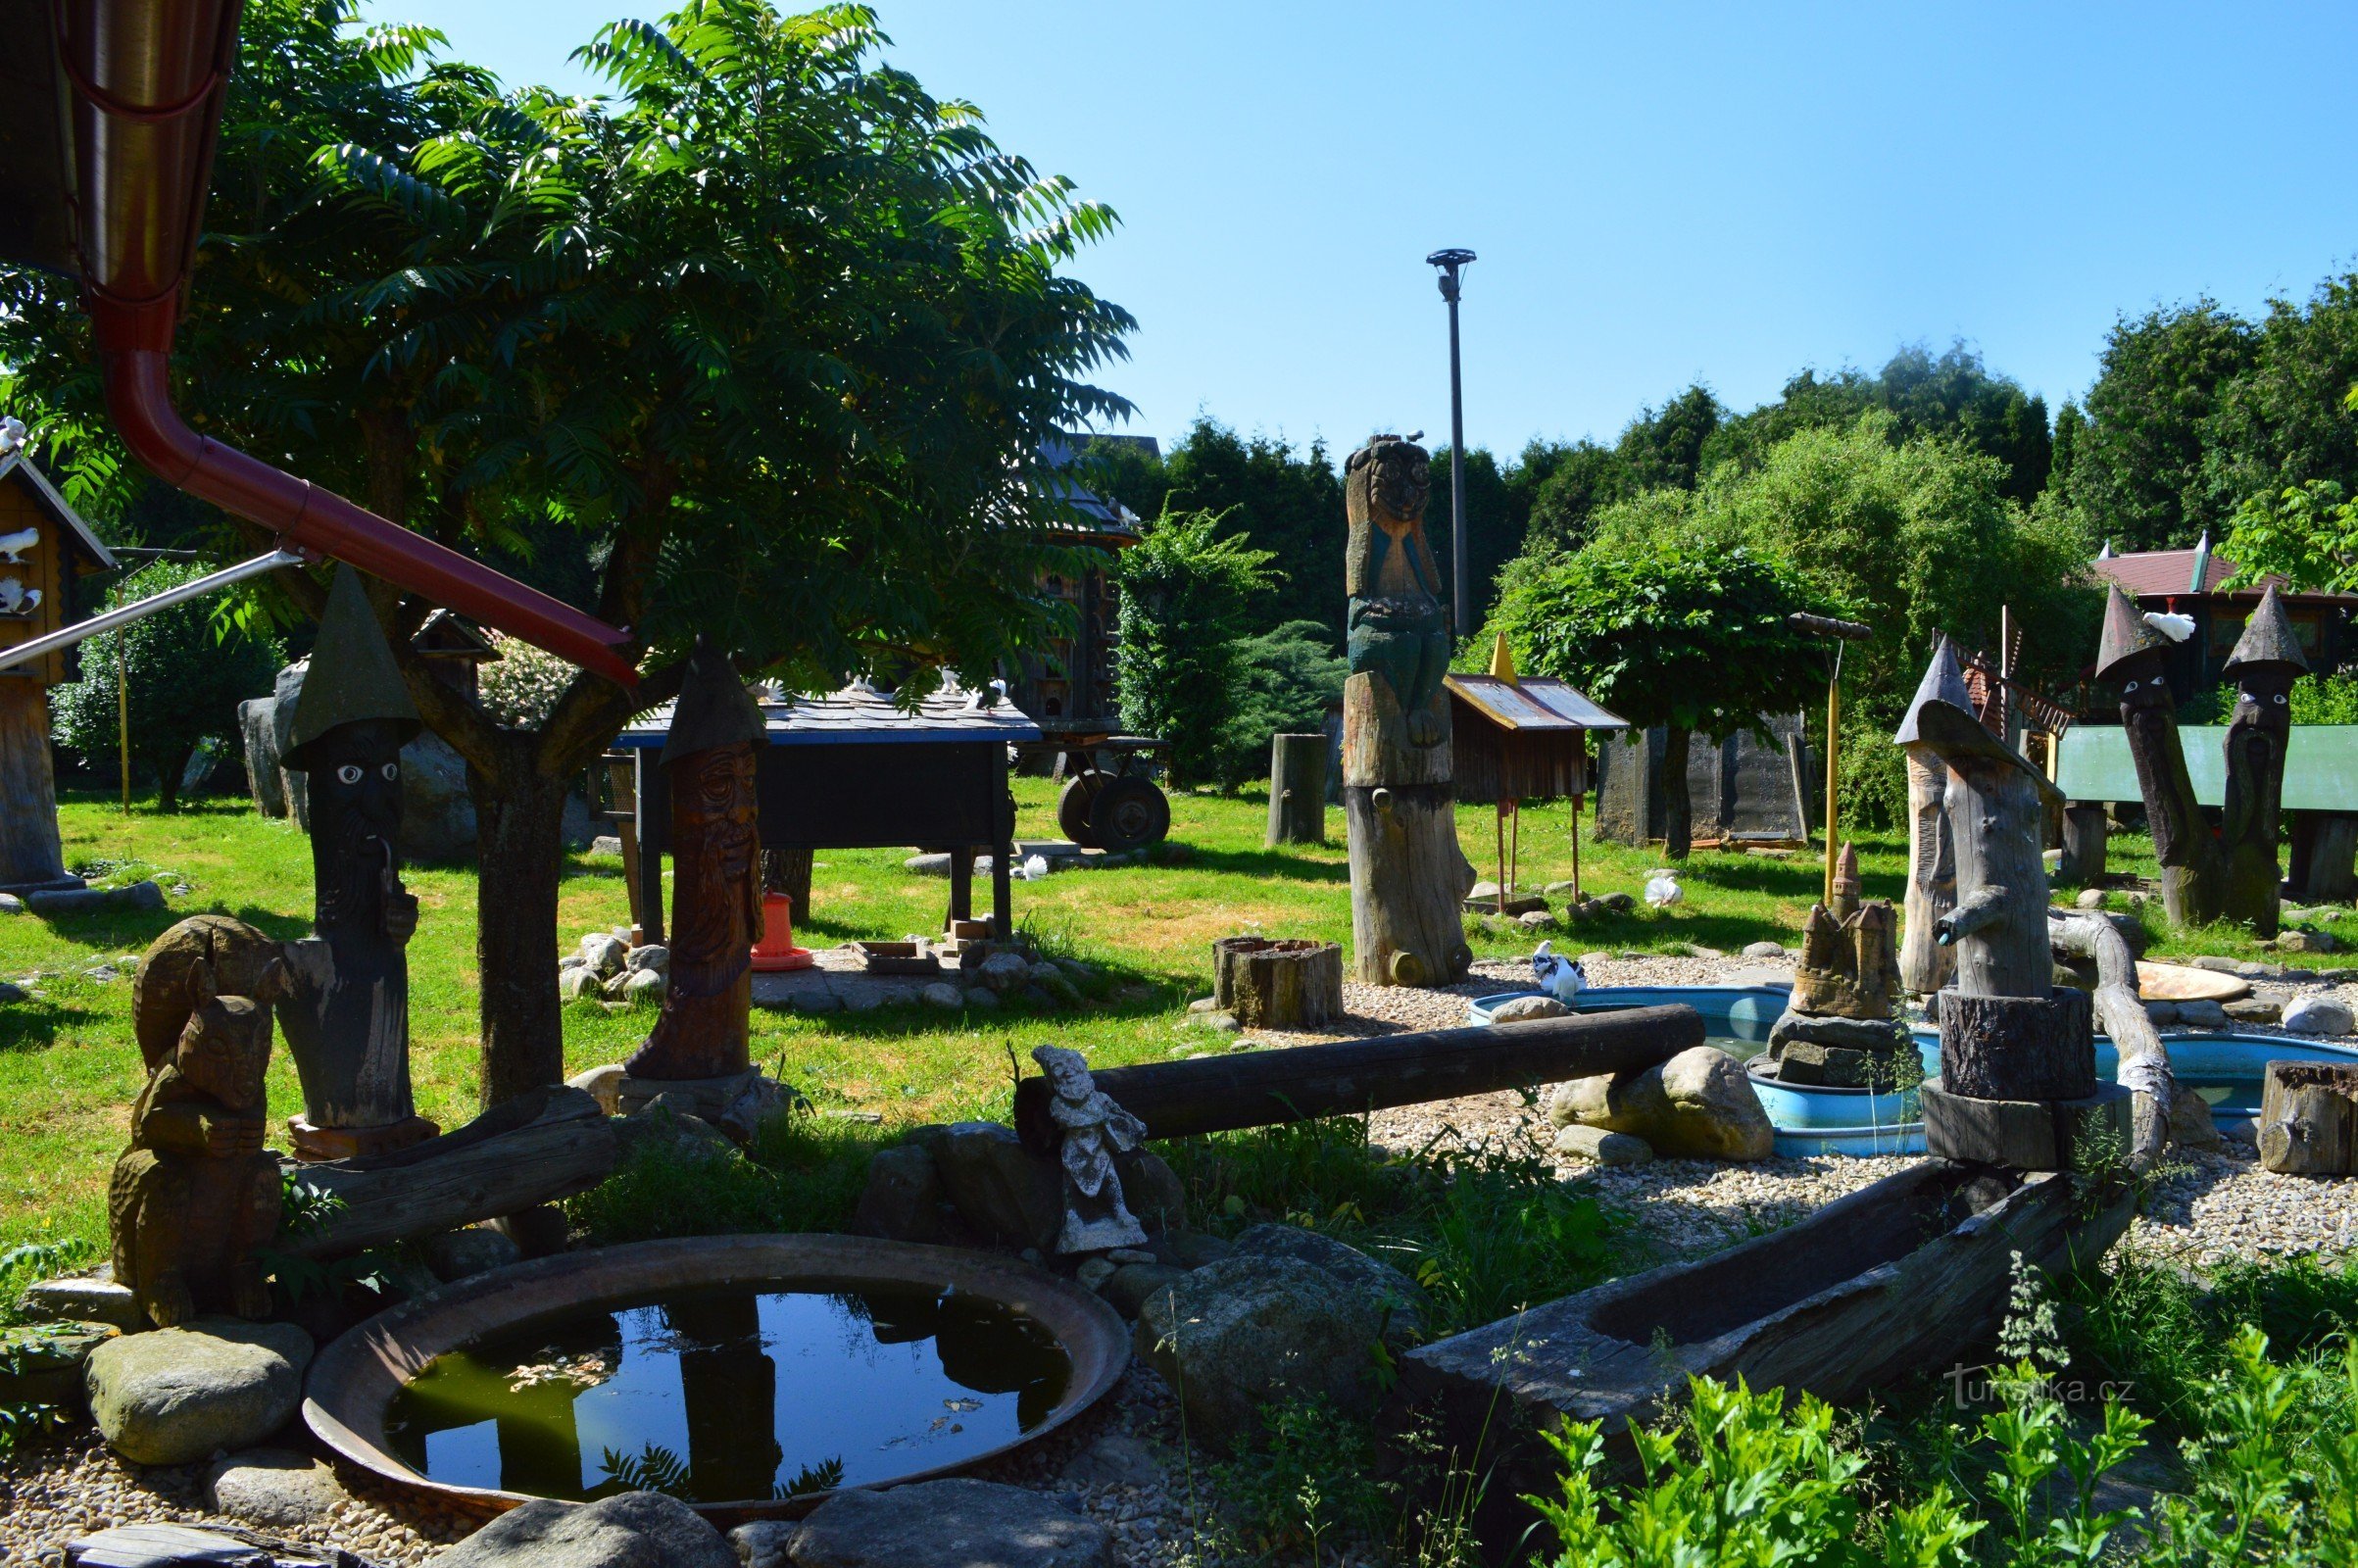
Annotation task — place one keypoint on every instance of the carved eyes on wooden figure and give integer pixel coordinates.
(2126, 687)
(350, 772)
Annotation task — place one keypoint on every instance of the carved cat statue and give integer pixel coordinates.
(196, 1194)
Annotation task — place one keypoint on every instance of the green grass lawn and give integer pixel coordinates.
(68, 1069)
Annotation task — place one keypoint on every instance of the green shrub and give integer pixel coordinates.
(800, 1173)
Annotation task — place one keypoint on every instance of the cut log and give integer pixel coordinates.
(2018, 1048)
(2090, 1135)
(2085, 830)
(1408, 876)
(535, 1148)
(2145, 1068)
(1297, 789)
(1278, 984)
(788, 872)
(1263, 1088)
(2309, 1118)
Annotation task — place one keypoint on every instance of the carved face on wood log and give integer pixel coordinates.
(355, 822)
(1397, 626)
(718, 816)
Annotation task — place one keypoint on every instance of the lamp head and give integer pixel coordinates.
(1449, 261)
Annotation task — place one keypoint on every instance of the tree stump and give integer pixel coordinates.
(29, 850)
(2085, 827)
(2309, 1119)
(2018, 1048)
(788, 872)
(1278, 983)
(1297, 790)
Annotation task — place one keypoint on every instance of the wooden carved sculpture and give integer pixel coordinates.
(1932, 890)
(1838, 1026)
(2209, 875)
(196, 1194)
(1408, 875)
(717, 877)
(348, 1018)
(2018, 1073)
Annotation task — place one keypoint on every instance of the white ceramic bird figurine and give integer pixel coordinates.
(1662, 889)
(1035, 867)
(13, 545)
(2177, 628)
(14, 596)
(1560, 977)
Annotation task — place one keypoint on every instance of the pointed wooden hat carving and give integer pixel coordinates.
(2268, 638)
(714, 708)
(351, 676)
(2125, 635)
(1943, 682)
(1942, 718)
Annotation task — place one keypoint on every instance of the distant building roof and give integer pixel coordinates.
(2170, 573)
(860, 715)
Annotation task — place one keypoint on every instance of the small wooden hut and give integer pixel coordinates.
(1517, 738)
(46, 551)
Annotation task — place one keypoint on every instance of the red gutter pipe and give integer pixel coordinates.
(147, 80)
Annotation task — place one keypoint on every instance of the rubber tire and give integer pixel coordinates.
(1129, 814)
(1072, 808)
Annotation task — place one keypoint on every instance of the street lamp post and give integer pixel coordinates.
(1449, 261)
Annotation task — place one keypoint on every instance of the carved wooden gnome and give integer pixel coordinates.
(2266, 662)
(2132, 653)
(348, 1021)
(716, 878)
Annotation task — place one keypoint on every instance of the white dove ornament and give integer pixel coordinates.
(14, 596)
(1662, 890)
(2177, 628)
(13, 545)
(1560, 977)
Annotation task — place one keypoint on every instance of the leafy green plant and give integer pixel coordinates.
(1186, 589)
(27, 1264)
(2305, 533)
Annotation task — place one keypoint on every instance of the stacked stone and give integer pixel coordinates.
(1838, 1028)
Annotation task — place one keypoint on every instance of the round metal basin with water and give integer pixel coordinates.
(2228, 1069)
(751, 1375)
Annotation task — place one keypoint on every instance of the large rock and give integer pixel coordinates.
(902, 1198)
(437, 814)
(1387, 1286)
(1152, 1190)
(1850, 1034)
(41, 1363)
(1698, 1104)
(635, 1530)
(175, 1396)
(1252, 1328)
(274, 1487)
(603, 953)
(92, 1297)
(1578, 1142)
(2317, 1015)
(2191, 1125)
(1003, 973)
(260, 738)
(476, 1250)
(1007, 1193)
(949, 1524)
(1522, 1008)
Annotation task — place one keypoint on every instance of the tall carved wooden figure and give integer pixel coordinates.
(2193, 869)
(1932, 890)
(2018, 1070)
(2266, 662)
(348, 1021)
(717, 877)
(1408, 875)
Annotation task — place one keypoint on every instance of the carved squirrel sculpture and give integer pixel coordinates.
(196, 1194)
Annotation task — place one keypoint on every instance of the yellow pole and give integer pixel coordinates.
(122, 715)
(1833, 709)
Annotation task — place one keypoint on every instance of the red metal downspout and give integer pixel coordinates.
(147, 80)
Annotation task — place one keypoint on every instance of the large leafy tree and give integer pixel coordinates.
(761, 348)
(1665, 632)
(2138, 463)
(1187, 588)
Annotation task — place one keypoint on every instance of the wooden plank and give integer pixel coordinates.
(1263, 1088)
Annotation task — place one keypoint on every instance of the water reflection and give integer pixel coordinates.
(724, 1394)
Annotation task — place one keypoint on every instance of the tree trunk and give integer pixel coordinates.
(788, 872)
(1297, 790)
(2309, 1119)
(2144, 1067)
(2326, 870)
(1999, 927)
(1407, 879)
(1284, 984)
(1925, 964)
(29, 850)
(2084, 829)
(520, 847)
(1678, 807)
(169, 767)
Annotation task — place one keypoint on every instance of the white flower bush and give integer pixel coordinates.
(522, 686)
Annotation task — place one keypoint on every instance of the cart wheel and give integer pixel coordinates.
(1072, 807)
(1129, 814)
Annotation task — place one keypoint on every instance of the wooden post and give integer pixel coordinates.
(1408, 875)
(2309, 1118)
(1278, 984)
(1576, 896)
(29, 850)
(1932, 891)
(2326, 862)
(787, 872)
(123, 714)
(2085, 825)
(1834, 741)
(1505, 885)
(1297, 790)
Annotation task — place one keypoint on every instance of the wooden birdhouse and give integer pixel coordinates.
(46, 551)
(1519, 738)
(455, 649)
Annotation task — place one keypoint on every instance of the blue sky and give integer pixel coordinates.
(1658, 193)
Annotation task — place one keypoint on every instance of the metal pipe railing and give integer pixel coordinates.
(125, 615)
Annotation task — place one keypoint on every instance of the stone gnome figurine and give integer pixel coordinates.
(347, 1018)
(716, 885)
(1094, 1129)
(197, 1194)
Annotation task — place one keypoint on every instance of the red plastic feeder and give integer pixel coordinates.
(776, 949)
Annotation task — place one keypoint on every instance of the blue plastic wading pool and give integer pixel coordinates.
(2228, 1069)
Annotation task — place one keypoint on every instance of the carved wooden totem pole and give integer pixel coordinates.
(1408, 875)
(348, 1021)
(717, 877)
(2018, 1069)
(196, 1194)
(2209, 875)
(1932, 890)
